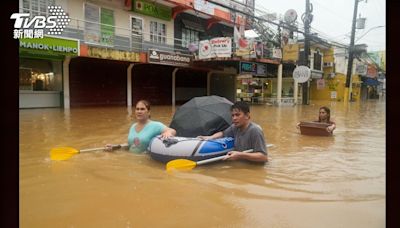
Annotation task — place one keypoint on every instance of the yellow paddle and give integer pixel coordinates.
(65, 153)
(185, 164)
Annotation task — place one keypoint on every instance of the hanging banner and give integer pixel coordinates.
(217, 47)
(204, 49)
(277, 53)
(259, 48)
(221, 47)
(246, 48)
(290, 52)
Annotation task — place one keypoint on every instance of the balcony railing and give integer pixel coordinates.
(125, 39)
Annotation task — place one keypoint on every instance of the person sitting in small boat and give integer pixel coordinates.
(325, 117)
(247, 135)
(141, 132)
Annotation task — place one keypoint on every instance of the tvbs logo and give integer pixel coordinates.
(22, 21)
(26, 26)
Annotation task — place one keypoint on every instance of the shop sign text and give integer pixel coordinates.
(167, 58)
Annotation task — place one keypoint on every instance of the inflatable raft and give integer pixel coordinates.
(194, 149)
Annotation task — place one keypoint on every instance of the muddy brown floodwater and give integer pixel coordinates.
(310, 181)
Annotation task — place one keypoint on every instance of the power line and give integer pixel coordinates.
(283, 25)
(328, 10)
(322, 34)
(255, 17)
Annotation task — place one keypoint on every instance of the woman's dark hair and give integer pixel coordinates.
(241, 106)
(328, 112)
(145, 102)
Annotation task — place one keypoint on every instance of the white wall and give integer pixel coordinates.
(39, 99)
(340, 60)
(121, 16)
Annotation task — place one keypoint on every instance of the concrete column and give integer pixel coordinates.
(173, 87)
(208, 82)
(279, 87)
(66, 62)
(129, 85)
(351, 88)
(295, 91)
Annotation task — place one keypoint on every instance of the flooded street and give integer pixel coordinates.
(310, 181)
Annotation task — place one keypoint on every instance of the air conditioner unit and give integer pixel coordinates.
(328, 64)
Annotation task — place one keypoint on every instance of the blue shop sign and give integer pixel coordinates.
(246, 67)
(253, 68)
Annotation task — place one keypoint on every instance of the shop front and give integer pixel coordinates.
(252, 83)
(41, 70)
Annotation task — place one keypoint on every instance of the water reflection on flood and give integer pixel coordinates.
(309, 181)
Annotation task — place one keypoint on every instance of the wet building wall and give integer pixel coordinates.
(190, 83)
(97, 82)
(194, 23)
(153, 83)
(223, 85)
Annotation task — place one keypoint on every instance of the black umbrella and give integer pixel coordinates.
(202, 116)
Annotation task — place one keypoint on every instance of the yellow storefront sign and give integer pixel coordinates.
(104, 53)
(290, 52)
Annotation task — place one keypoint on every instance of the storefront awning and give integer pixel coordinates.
(193, 25)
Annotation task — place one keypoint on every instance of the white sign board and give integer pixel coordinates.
(204, 6)
(204, 49)
(333, 94)
(361, 69)
(216, 47)
(301, 74)
(277, 53)
(221, 47)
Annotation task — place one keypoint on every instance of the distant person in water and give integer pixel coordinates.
(324, 116)
(141, 132)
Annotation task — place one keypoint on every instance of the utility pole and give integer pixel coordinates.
(306, 18)
(347, 95)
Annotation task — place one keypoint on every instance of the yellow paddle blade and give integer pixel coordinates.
(62, 153)
(180, 164)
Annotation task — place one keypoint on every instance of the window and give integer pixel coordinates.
(158, 32)
(36, 7)
(40, 75)
(301, 59)
(136, 35)
(317, 61)
(99, 25)
(189, 36)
